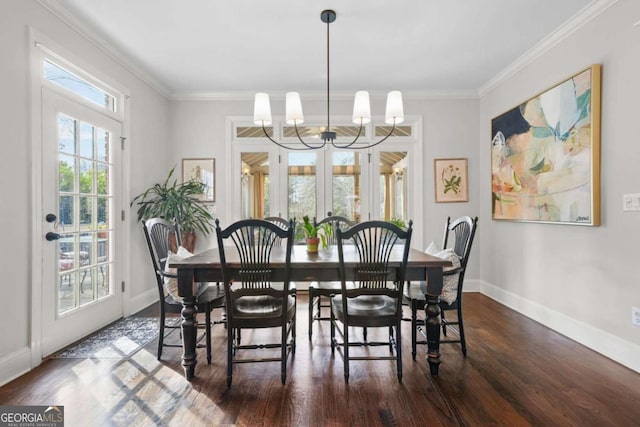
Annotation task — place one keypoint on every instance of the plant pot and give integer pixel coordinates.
(312, 244)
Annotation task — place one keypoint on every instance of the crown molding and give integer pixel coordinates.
(321, 96)
(73, 22)
(588, 13)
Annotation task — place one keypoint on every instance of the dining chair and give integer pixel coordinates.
(323, 290)
(254, 297)
(158, 233)
(374, 300)
(456, 246)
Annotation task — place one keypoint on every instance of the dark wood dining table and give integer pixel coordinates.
(322, 266)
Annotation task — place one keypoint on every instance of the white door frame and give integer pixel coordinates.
(42, 46)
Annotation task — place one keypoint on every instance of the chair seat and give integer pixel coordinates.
(261, 307)
(367, 310)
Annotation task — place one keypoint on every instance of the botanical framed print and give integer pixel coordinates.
(451, 180)
(204, 171)
(545, 155)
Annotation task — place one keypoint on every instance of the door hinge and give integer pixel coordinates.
(279, 159)
(369, 157)
(122, 215)
(123, 286)
(122, 140)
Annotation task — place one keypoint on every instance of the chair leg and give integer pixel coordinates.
(346, 352)
(463, 343)
(310, 312)
(161, 334)
(207, 331)
(414, 329)
(230, 337)
(399, 349)
(333, 332)
(283, 353)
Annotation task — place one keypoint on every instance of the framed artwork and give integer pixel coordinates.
(545, 155)
(451, 180)
(204, 171)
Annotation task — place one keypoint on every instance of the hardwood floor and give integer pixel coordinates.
(517, 373)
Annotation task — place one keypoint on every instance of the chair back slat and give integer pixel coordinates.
(335, 222)
(374, 242)
(253, 241)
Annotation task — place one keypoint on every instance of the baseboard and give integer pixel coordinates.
(605, 343)
(14, 365)
(471, 285)
(141, 301)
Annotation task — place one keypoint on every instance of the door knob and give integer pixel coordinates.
(51, 236)
(51, 217)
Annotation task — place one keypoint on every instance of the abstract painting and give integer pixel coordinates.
(545, 155)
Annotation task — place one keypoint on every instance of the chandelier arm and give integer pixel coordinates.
(375, 143)
(279, 144)
(311, 147)
(352, 142)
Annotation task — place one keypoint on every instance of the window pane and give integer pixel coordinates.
(254, 185)
(86, 176)
(102, 139)
(86, 140)
(346, 184)
(302, 185)
(66, 173)
(315, 131)
(393, 185)
(67, 80)
(66, 134)
(398, 131)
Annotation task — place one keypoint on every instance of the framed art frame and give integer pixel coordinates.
(451, 180)
(545, 155)
(204, 171)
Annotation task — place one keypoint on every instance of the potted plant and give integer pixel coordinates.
(172, 200)
(314, 234)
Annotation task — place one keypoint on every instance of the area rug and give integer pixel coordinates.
(120, 340)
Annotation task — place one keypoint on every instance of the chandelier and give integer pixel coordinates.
(361, 110)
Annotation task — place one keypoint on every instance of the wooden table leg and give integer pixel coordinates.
(189, 322)
(432, 324)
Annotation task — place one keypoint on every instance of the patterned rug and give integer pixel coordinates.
(119, 340)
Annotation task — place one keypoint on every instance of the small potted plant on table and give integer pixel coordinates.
(313, 233)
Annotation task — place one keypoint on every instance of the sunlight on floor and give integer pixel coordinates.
(139, 391)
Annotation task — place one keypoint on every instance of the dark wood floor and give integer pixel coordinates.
(517, 373)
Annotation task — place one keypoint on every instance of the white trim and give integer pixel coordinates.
(321, 96)
(14, 365)
(588, 13)
(609, 345)
(89, 34)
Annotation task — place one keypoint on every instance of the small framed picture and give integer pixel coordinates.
(204, 171)
(451, 180)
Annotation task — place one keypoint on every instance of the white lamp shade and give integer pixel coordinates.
(262, 110)
(395, 110)
(293, 109)
(361, 108)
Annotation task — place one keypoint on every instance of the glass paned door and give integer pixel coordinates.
(80, 181)
(84, 204)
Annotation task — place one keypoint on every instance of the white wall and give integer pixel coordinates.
(581, 281)
(450, 129)
(146, 150)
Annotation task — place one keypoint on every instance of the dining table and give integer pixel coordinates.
(305, 266)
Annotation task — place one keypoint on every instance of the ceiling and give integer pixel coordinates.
(243, 46)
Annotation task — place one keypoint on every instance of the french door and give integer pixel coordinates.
(81, 189)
